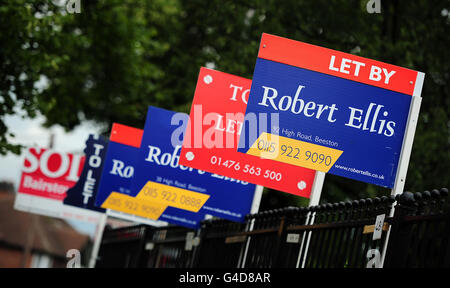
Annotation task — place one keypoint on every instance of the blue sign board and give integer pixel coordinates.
(118, 174)
(84, 192)
(158, 168)
(332, 124)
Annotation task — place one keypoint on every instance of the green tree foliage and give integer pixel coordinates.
(25, 36)
(116, 57)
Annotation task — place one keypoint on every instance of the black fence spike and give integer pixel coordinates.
(435, 193)
(406, 198)
(426, 195)
(418, 196)
(337, 238)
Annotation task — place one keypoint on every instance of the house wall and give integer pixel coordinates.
(12, 258)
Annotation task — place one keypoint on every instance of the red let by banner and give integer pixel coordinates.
(212, 137)
(49, 174)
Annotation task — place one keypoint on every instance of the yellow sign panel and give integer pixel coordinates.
(295, 152)
(131, 205)
(172, 196)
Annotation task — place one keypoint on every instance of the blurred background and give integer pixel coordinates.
(67, 72)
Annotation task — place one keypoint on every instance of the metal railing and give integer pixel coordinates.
(420, 231)
(336, 235)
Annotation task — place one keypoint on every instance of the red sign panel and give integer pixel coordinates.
(50, 174)
(213, 132)
(340, 64)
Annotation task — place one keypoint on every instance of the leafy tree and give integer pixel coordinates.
(24, 57)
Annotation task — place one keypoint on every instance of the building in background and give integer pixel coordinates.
(30, 240)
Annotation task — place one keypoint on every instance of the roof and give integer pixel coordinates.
(50, 235)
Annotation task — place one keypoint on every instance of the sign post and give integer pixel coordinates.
(256, 199)
(316, 190)
(406, 152)
(98, 240)
(313, 201)
(339, 113)
(214, 131)
(255, 208)
(408, 141)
